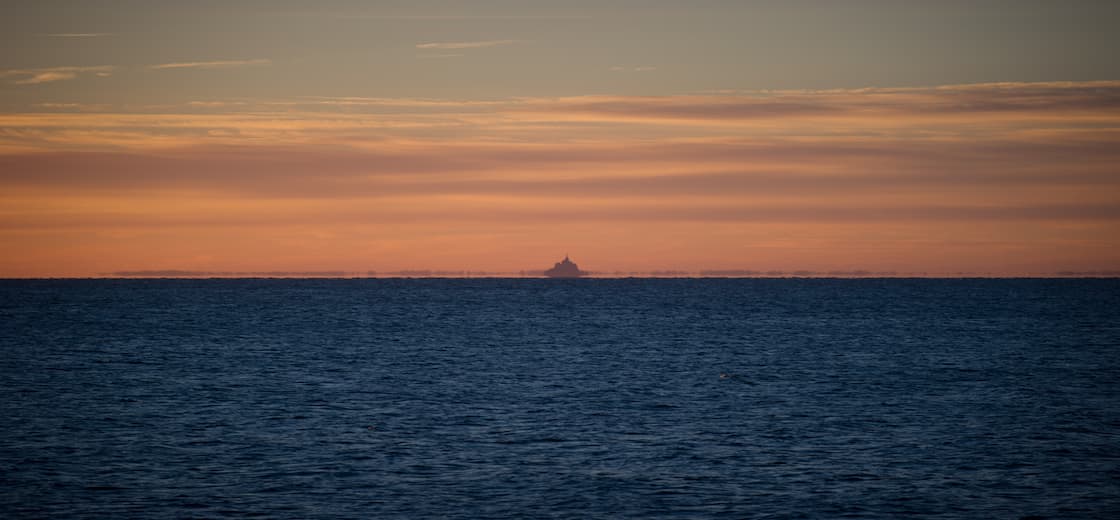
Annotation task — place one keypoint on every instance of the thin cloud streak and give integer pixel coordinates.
(46, 77)
(950, 109)
(463, 17)
(1012, 99)
(464, 45)
(211, 64)
(51, 74)
(80, 107)
(228, 213)
(321, 13)
(78, 35)
(623, 171)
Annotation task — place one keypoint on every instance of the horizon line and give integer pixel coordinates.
(539, 274)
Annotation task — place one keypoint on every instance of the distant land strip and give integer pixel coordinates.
(716, 273)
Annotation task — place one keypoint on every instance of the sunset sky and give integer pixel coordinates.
(252, 136)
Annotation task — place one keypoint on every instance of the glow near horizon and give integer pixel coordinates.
(635, 170)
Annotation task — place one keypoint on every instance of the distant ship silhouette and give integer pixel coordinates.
(564, 269)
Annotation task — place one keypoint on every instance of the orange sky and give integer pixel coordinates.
(634, 136)
(993, 178)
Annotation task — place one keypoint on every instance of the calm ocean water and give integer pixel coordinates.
(528, 398)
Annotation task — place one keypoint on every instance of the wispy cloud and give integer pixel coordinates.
(219, 64)
(462, 17)
(464, 45)
(77, 35)
(49, 74)
(80, 107)
(923, 117)
(890, 105)
(365, 15)
(216, 104)
(406, 103)
(58, 105)
(46, 77)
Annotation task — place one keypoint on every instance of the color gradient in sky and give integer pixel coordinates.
(255, 136)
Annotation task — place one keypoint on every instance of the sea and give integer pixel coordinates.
(539, 398)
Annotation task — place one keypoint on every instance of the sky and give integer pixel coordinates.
(826, 136)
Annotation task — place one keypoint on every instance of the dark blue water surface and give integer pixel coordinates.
(560, 398)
